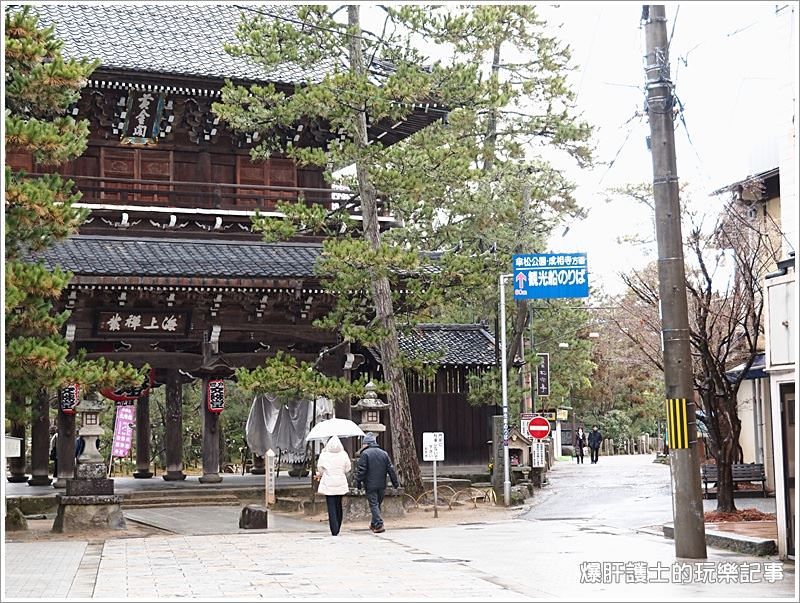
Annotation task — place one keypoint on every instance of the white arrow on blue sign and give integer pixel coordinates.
(550, 275)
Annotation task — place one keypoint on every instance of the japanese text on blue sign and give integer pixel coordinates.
(550, 275)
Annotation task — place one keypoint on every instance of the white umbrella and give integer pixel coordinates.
(343, 428)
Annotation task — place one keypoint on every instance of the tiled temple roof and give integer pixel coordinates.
(86, 255)
(167, 38)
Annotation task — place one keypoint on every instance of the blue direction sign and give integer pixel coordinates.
(550, 275)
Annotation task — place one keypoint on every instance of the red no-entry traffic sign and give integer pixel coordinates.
(539, 428)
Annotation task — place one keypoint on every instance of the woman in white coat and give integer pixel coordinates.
(332, 469)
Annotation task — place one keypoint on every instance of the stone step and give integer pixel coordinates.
(200, 501)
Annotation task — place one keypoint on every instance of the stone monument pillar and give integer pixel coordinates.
(90, 501)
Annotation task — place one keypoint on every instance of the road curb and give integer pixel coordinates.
(748, 545)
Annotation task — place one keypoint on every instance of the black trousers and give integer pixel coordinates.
(334, 513)
(375, 499)
(579, 454)
(595, 453)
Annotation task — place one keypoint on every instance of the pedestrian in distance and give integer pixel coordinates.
(595, 439)
(373, 466)
(580, 442)
(332, 469)
(54, 448)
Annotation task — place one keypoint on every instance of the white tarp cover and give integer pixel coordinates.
(283, 426)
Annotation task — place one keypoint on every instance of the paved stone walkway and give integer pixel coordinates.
(38, 570)
(567, 549)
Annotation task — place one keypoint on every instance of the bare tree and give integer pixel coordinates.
(724, 280)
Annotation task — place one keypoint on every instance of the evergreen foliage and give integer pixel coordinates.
(469, 191)
(39, 88)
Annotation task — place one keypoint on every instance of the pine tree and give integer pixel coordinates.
(439, 182)
(40, 85)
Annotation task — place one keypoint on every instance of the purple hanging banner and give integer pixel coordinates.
(123, 431)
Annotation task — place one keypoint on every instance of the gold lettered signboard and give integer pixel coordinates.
(142, 118)
(142, 323)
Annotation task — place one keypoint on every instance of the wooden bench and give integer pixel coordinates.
(742, 472)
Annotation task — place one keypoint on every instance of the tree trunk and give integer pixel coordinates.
(17, 465)
(725, 501)
(40, 440)
(726, 456)
(489, 157)
(400, 410)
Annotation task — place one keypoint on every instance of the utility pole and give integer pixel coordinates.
(687, 502)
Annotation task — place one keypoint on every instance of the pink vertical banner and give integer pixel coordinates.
(123, 431)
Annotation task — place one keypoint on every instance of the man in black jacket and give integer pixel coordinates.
(595, 439)
(371, 470)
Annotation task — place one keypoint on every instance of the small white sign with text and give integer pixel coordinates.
(433, 446)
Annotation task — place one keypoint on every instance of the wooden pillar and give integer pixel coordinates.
(65, 449)
(441, 388)
(17, 465)
(210, 441)
(143, 438)
(174, 427)
(40, 440)
(259, 467)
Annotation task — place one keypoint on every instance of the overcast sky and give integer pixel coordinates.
(734, 68)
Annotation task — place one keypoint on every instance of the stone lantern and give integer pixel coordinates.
(89, 410)
(90, 501)
(371, 406)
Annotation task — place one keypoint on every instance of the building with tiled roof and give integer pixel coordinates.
(447, 344)
(153, 38)
(167, 270)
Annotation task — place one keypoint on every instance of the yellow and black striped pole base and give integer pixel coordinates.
(678, 423)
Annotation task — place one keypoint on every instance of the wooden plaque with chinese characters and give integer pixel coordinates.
(142, 323)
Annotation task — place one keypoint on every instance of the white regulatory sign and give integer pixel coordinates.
(537, 454)
(433, 446)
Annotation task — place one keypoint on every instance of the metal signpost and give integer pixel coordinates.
(537, 276)
(433, 450)
(504, 379)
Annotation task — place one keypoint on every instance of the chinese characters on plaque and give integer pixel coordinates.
(543, 375)
(142, 118)
(144, 322)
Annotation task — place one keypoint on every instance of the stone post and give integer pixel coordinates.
(65, 449)
(17, 465)
(174, 427)
(143, 438)
(40, 440)
(210, 441)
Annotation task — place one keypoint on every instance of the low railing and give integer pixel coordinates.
(210, 195)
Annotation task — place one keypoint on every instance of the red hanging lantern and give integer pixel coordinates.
(68, 399)
(216, 395)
